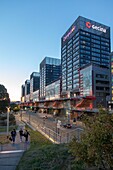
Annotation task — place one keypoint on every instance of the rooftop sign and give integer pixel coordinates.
(98, 28)
(69, 33)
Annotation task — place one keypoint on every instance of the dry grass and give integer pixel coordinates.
(3, 139)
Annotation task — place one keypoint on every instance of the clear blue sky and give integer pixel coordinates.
(32, 29)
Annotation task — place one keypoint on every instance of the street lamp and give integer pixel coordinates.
(8, 110)
(21, 114)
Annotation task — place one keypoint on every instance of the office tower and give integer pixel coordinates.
(50, 71)
(85, 42)
(34, 83)
(111, 56)
(23, 90)
(27, 87)
(23, 93)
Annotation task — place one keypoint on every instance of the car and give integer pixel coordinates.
(67, 125)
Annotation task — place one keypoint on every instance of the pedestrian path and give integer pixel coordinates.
(9, 161)
(10, 153)
(17, 145)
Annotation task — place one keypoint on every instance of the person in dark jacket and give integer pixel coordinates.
(13, 135)
(21, 134)
(26, 134)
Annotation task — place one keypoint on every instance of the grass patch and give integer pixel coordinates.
(44, 155)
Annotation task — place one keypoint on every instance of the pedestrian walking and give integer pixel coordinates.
(21, 134)
(13, 135)
(26, 134)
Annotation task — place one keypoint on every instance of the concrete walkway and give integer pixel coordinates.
(10, 154)
(9, 161)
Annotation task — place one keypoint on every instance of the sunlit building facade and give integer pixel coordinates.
(34, 83)
(95, 81)
(23, 93)
(50, 71)
(111, 76)
(53, 90)
(85, 42)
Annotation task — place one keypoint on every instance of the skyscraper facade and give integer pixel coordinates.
(34, 83)
(27, 87)
(111, 55)
(50, 71)
(23, 93)
(85, 42)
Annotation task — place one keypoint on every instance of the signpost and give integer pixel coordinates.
(58, 126)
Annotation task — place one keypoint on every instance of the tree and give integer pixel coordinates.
(4, 98)
(96, 145)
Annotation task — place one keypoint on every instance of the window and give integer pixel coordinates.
(105, 48)
(69, 46)
(84, 38)
(95, 54)
(76, 53)
(85, 33)
(75, 44)
(69, 41)
(76, 35)
(76, 40)
(96, 50)
(85, 47)
(85, 52)
(85, 42)
(105, 43)
(85, 56)
(105, 52)
(95, 45)
(104, 39)
(76, 76)
(95, 59)
(102, 76)
(95, 37)
(95, 41)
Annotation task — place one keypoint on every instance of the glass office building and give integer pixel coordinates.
(95, 81)
(85, 42)
(27, 87)
(111, 76)
(110, 100)
(23, 90)
(50, 71)
(34, 83)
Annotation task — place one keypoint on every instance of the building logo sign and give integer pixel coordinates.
(69, 33)
(98, 28)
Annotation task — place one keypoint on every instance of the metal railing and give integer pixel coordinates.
(51, 131)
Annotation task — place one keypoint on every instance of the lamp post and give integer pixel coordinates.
(21, 114)
(8, 110)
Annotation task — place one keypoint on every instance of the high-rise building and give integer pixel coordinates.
(27, 87)
(85, 42)
(50, 70)
(111, 56)
(34, 83)
(110, 99)
(22, 90)
(23, 93)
